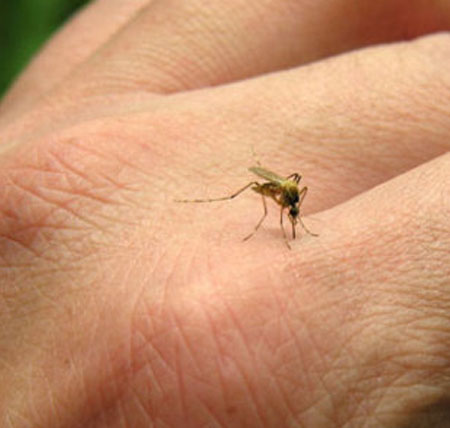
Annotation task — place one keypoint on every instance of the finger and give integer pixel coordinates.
(409, 211)
(346, 124)
(73, 44)
(381, 268)
(175, 46)
(309, 120)
(172, 46)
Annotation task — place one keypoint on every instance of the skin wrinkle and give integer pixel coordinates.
(150, 348)
(17, 416)
(147, 408)
(104, 398)
(339, 408)
(91, 324)
(120, 406)
(23, 246)
(79, 173)
(342, 363)
(241, 370)
(44, 197)
(135, 333)
(52, 201)
(321, 387)
(300, 351)
(85, 149)
(184, 340)
(142, 409)
(215, 417)
(51, 398)
(277, 379)
(397, 415)
(291, 413)
(75, 198)
(390, 262)
(179, 380)
(115, 386)
(132, 158)
(61, 205)
(301, 358)
(185, 414)
(215, 340)
(221, 353)
(252, 396)
(406, 370)
(152, 341)
(356, 400)
(244, 341)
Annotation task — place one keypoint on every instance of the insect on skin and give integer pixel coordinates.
(284, 191)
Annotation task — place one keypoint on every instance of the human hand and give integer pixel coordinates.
(120, 307)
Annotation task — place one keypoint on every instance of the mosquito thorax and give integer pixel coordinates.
(290, 193)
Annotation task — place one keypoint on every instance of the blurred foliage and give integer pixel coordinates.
(24, 26)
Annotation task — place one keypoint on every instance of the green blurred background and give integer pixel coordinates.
(24, 26)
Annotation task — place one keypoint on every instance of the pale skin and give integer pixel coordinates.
(121, 308)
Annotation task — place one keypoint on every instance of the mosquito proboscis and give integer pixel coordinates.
(284, 191)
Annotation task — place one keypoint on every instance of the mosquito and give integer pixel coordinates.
(283, 190)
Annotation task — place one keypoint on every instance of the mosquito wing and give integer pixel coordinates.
(267, 175)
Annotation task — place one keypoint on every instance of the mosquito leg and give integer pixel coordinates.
(260, 221)
(306, 229)
(225, 198)
(295, 177)
(282, 228)
(301, 196)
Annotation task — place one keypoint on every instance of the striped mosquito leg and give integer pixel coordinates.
(301, 196)
(282, 229)
(225, 198)
(260, 221)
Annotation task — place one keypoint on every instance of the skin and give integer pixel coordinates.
(121, 308)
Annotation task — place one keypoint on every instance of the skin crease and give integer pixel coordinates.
(122, 308)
